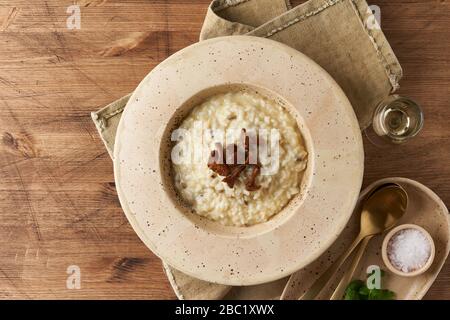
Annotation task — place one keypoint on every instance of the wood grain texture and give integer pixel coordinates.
(58, 202)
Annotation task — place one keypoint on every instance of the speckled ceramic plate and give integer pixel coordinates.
(425, 209)
(238, 255)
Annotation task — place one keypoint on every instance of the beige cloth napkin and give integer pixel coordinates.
(340, 35)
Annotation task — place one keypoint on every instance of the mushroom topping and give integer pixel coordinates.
(224, 162)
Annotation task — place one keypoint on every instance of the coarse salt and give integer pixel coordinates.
(409, 250)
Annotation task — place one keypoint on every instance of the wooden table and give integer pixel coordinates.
(58, 202)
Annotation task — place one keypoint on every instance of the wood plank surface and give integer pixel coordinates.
(58, 202)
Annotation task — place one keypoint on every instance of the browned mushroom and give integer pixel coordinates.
(224, 162)
(214, 162)
(231, 179)
(250, 182)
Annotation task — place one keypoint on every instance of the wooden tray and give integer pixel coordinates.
(425, 209)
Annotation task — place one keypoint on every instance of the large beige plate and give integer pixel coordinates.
(230, 255)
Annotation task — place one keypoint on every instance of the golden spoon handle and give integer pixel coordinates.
(331, 271)
(340, 289)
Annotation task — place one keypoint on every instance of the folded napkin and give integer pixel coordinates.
(340, 35)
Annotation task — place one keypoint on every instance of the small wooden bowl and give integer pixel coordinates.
(387, 261)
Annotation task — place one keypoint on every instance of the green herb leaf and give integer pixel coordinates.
(364, 291)
(357, 290)
(379, 294)
(352, 290)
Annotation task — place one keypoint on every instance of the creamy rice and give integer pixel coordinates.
(205, 191)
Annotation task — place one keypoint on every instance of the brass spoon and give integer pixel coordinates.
(381, 210)
(339, 291)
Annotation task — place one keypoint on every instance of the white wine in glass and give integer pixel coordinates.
(396, 120)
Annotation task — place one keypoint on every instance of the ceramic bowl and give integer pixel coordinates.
(387, 261)
(207, 250)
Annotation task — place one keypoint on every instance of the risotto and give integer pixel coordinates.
(242, 194)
